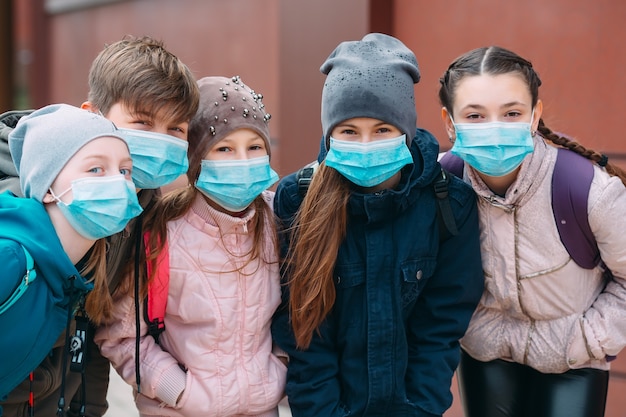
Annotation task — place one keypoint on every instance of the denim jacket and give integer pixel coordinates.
(404, 298)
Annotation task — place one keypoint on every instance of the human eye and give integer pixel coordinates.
(512, 114)
(96, 170)
(143, 122)
(177, 132)
(223, 149)
(126, 172)
(348, 132)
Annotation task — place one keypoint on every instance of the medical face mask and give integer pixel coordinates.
(493, 148)
(158, 159)
(102, 206)
(234, 184)
(368, 164)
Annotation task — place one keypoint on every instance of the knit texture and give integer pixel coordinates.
(45, 140)
(374, 78)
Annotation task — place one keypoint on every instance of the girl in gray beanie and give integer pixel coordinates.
(377, 294)
(75, 169)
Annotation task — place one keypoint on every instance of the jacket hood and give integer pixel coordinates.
(26, 221)
(8, 173)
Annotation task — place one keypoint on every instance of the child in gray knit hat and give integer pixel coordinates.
(215, 356)
(378, 291)
(75, 169)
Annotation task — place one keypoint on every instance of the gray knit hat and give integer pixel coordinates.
(45, 140)
(373, 77)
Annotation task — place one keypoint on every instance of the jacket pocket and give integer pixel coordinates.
(415, 274)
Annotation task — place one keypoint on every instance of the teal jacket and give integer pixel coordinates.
(37, 319)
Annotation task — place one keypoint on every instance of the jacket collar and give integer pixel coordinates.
(381, 205)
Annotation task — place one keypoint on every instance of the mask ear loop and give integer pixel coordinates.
(532, 120)
(57, 198)
(454, 126)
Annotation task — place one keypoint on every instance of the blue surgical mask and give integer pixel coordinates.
(158, 159)
(234, 184)
(368, 164)
(493, 148)
(101, 206)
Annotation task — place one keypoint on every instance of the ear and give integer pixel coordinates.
(537, 115)
(447, 122)
(87, 105)
(47, 198)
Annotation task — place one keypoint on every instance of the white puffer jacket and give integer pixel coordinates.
(539, 308)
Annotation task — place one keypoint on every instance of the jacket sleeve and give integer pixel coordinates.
(443, 310)
(603, 322)
(312, 384)
(161, 377)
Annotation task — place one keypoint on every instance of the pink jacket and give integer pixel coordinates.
(217, 324)
(539, 308)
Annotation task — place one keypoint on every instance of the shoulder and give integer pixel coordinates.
(287, 199)
(605, 191)
(459, 191)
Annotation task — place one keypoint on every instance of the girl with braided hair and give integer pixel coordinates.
(541, 340)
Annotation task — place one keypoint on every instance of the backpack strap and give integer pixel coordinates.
(571, 181)
(304, 177)
(27, 279)
(156, 301)
(447, 223)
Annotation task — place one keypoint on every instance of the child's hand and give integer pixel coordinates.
(284, 360)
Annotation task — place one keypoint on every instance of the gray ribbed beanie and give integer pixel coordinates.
(45, 140)
(373, 77)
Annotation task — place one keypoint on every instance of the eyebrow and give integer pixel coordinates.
(381, 123)
(104, 156)
(504, 106)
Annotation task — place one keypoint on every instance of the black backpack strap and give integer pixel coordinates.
(447, 223)
(304, 177)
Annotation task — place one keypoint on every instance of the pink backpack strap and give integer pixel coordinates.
(156, 302)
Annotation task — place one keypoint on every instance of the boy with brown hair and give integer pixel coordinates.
(149, 93)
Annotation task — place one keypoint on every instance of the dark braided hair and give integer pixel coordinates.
(495, 60)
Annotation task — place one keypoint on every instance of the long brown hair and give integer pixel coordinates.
(495, 60)
(96, 268)
(316, 235)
